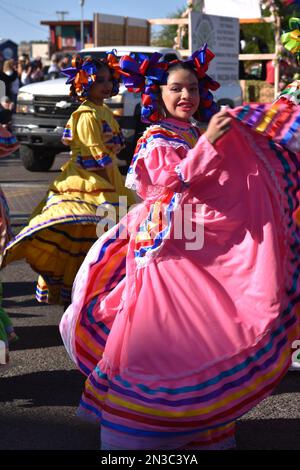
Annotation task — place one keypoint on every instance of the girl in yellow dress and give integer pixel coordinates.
(63, 227)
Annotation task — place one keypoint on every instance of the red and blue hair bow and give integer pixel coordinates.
(140, 71)
(83, 73)
(143, 74)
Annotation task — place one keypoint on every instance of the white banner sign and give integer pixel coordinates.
(234, 8)
(222, 36)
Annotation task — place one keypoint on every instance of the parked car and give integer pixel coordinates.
(43, 109)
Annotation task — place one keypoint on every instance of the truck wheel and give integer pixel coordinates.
(47, 160)
(36, 160)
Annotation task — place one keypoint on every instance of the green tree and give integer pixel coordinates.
(257, 36)
(284, 10)
(261, 36)
(165, 37)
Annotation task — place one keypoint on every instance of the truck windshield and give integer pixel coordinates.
(94, 55)
(101, 55)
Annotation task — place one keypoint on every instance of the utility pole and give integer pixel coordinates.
(62, 15)
(81, 2)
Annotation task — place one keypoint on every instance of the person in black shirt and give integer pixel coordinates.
(6, 107)
(8, 80)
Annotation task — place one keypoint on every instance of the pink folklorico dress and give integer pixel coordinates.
(184, 314)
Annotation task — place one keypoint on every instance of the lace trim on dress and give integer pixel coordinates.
(132, 176)
(180, 176)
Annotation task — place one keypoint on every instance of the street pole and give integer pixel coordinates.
(277, 52)
(81, 2)
(62, 15)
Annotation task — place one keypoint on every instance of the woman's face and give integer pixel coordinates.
(181, 94)
(102, 87)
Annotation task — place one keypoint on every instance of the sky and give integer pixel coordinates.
(20, 20)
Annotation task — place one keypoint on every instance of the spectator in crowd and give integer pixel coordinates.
(64, 62)
(32, 72)
(270, 72)
(37, 74)
(6, 108)
(54, 69)
(26, 73)
(10, 69)
(22, 61)
(7, 79)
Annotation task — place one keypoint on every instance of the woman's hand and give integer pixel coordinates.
(218, 125)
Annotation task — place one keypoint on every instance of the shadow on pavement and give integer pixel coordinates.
(34, 183)
(38, 412)
(289, 385)
(36, 337)
(21, 432)
(45, 388)
(14, 315)
(20, 303)
(24, 288)
(269, 434)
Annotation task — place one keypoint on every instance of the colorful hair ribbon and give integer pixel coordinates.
(113, 63)
(114, 66)
(143, 74)
(83, 73)
(199, 62)
(139, 70)
(132, 77)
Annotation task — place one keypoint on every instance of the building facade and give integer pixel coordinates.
(65, 35)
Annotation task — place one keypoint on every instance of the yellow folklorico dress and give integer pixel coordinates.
(63, 226)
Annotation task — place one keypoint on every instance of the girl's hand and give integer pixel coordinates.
(218, 125)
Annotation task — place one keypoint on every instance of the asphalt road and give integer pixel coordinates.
(40, 389)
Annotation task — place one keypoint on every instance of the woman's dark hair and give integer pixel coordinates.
(179, 65)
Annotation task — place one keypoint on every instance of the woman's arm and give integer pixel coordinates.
(175, 169)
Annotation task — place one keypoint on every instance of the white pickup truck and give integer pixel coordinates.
(43, 109)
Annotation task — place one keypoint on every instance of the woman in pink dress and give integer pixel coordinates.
(184, 314)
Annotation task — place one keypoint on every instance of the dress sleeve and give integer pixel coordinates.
(168, 167)
(89, 134)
